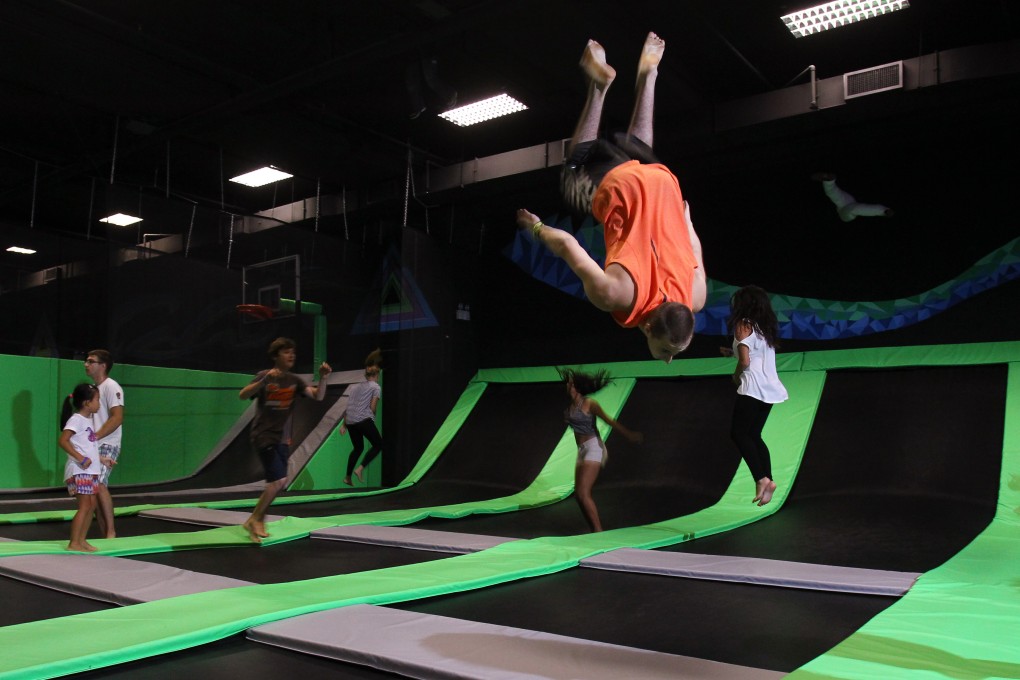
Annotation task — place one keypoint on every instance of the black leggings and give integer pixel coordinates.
(749, 416)
(361, 431)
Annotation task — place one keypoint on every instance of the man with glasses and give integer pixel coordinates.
(107, 425)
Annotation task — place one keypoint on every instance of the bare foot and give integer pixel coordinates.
(767, 491)
(593, 63)
(359, 473)
(651, 54)
(347, 481)
(81, 547)
(253, 532)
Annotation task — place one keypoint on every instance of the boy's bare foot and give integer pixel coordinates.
(359, 473)
(766, 492)
(82, 547)
(593, 63)
(253, 532)
(651, 54)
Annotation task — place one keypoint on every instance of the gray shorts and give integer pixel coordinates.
(593, 451)
(107, 451)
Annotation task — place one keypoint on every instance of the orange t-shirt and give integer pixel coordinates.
(646, 233)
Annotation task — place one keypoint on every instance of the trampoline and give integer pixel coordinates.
(935, 493)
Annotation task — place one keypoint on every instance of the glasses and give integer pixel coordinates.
(91, 361)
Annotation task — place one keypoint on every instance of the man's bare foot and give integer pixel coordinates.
(253, 532)
(651, 54)
(593, 63)
(347, 481)
(359, 472)
(767, 490)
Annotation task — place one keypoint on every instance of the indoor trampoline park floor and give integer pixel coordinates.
(891, 549)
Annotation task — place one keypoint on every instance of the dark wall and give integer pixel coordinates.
(942, 163)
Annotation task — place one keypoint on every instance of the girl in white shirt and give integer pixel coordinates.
(81, 472)
(755, 334)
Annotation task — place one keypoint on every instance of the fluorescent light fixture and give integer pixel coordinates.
(838, 13)
(261, 177)
(19, 249)
(487, 109)
(121, 220)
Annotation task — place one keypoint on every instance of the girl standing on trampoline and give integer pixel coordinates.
(81, 473)
(591, 450)
(755, 334)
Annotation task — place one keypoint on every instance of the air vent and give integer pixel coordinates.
(872, 80)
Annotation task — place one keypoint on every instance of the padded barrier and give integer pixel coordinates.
(418, 539)
(111, 579)
(203, 516)
(442, 648)
(756, 571)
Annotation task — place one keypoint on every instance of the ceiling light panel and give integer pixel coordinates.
(487, 109)
(261, 177)
(121, 220)
(838, 13)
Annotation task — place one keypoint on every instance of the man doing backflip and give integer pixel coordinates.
(654, 277)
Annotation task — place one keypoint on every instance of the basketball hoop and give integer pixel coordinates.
(260, 312)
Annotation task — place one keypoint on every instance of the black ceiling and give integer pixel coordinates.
(172, 97)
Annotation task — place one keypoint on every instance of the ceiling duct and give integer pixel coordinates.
(872, 80)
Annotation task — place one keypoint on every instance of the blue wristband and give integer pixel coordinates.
(85, 463)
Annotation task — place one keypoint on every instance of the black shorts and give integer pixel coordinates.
(589, 163)
(274, 461)
(599, 156)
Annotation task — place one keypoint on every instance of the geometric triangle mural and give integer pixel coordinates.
(799, 318)
(394, 302)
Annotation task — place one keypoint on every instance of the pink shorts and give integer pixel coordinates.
(84, 485)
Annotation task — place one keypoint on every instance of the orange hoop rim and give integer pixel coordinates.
(255, 311)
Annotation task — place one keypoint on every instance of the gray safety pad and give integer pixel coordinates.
(300, 456)
(405, 537)
(111, 579)
(756, 571)
(437, 647)
(203, 516)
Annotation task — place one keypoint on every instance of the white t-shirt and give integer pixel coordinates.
(84, 442)
(110, 395)
(359, 403)
(760, 379)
